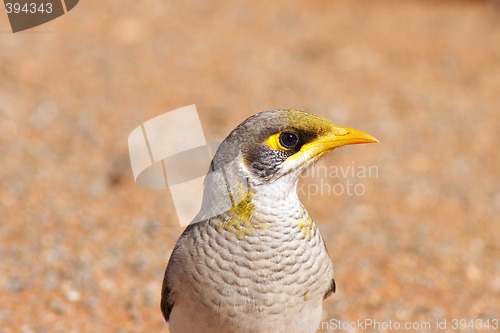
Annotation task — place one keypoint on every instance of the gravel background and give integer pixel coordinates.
(83, 249)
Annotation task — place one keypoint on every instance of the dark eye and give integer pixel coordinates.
(288, 139)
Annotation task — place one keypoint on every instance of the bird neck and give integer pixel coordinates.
(275, 201)
(234, 191)
(279, 191)
(265, 207)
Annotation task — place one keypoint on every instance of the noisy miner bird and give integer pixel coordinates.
(253, 261)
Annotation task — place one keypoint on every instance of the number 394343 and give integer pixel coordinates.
(28, 8)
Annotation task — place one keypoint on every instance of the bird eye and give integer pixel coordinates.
(288, 139)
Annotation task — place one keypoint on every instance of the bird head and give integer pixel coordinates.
(267, 153)
(278, 144)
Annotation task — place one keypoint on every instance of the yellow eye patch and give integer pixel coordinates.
(285, 140)
(274, 142)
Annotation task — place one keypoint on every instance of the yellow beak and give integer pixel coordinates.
(336, 137)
